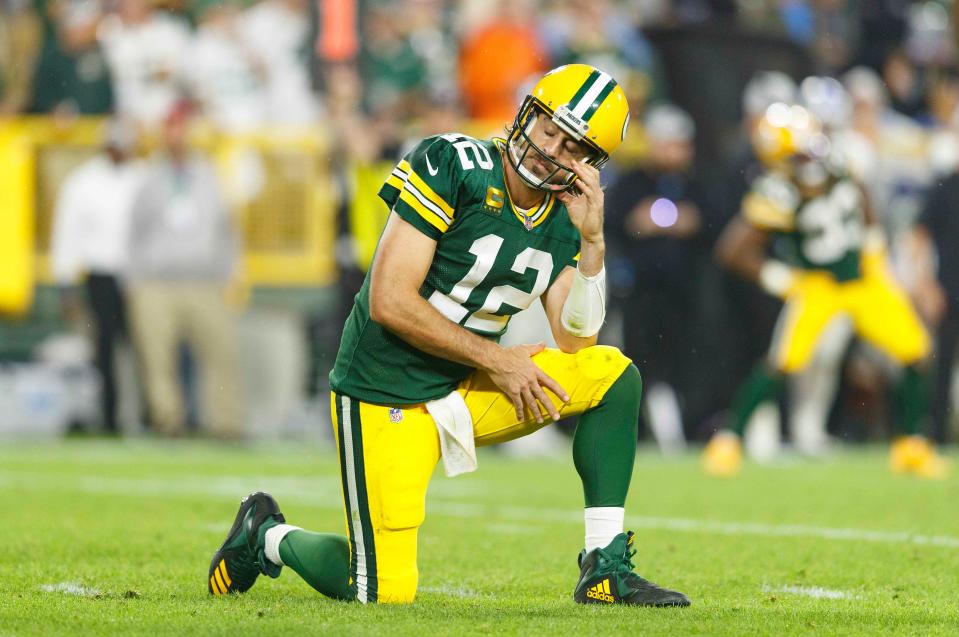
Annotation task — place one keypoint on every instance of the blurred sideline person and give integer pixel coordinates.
(90, 243)
(936, 238)
(223, 74)
(509, 42)
(184, 252)
(653, 214)
(147, 52)
(479, 230)
(276, 33)
(836, 265)
(72, 76)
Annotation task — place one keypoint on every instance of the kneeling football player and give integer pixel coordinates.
(479, 229)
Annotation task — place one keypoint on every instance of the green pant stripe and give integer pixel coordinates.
(363, 556)
(341, 448)
(366, 524)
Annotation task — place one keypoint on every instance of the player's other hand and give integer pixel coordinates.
(523, 382)
(585, 203)
(931, 301)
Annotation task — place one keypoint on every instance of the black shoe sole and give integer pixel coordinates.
(677, 603)
(266, 506)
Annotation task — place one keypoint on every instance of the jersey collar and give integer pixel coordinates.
(539, 214)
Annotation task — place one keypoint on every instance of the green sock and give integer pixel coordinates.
(761, 385)
(604, 446)
(910, 400)
(321, 559)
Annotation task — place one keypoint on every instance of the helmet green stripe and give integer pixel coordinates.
(583, 89)
(599, 100)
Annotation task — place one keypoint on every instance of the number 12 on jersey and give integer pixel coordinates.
(487, 318)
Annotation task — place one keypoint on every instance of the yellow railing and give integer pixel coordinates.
(278, 181)
(17, 270)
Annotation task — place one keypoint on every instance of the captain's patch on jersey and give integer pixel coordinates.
(494, 198)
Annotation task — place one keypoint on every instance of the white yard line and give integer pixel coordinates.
(452, 591)
(816, 592)
(793, 530)
(70, 588)
(326, 493)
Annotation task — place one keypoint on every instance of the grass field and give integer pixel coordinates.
(115, 538)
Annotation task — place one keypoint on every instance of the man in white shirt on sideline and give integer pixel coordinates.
(90, 244)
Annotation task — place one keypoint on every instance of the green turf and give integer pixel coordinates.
(134, 525)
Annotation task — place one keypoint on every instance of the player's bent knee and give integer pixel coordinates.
(601, 361)
(916, 351)
(611, 369)
(396, 571)
(400, 592)
(633, 378)
(627, 388)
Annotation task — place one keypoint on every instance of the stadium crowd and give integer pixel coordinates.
(378, 75)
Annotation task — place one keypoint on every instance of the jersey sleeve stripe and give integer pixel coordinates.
(416, 181)
(395, 181)
(428, 215)
(427, 203)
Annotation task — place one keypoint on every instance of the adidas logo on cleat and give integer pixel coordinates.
(601, 592)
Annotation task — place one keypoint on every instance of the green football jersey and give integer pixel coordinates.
(818, 233)
(492, 260)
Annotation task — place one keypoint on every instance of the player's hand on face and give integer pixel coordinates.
(585, 206)
(524, 383)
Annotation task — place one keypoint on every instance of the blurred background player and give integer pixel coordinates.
(836, 265)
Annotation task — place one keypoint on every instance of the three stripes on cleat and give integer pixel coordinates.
(220, 580)
(600, 592)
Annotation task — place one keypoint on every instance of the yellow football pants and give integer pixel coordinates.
(387, 455)
(880, 311)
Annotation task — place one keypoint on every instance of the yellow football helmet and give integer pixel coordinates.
(786, 131)
(790, 139)
(587, 104)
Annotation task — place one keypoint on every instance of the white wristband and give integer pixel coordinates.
(585, 308)
(776, 277)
